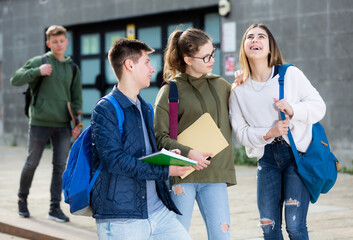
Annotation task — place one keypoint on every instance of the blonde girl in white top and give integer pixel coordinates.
(254, 114)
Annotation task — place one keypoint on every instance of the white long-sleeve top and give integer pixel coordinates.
(253, 113)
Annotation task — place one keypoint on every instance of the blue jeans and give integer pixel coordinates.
(161, 225)
(61, 142)
(212, 199)
(278, 184)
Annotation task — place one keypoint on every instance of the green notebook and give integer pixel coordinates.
(165, 157)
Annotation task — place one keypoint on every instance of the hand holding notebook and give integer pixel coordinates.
(203, 136)
(201, 158)
(165, 157)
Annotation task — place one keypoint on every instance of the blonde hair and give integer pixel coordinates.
(274, 57)
(182, 44)
(55, 30)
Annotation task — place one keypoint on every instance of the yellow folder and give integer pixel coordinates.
(204, 136)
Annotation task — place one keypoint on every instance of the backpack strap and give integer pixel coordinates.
(96, 174)
(118, 110)
(173, 110)
(74, 71)
(150, 105)
(37, 86)
(120, 116)
(45, 59)
(94, 178)
(282, 71)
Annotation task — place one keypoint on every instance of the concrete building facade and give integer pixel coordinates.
(313, 35)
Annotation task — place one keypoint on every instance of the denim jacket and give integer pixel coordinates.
(120, 189)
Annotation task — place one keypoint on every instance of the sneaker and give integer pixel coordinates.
(57, 214)
(22, 208)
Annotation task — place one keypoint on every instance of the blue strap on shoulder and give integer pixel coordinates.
(118, 110)
(282, 71)
(120, 116)
(173, 92)
(150, 105)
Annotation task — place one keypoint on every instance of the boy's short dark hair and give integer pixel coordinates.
(124, 49)
(54, 30)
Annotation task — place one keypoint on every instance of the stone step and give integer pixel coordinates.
(40, 229)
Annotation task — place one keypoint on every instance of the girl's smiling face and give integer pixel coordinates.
(257, 44)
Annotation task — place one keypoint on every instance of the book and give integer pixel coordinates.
(204, 136)
(72, 115)
(165, 157)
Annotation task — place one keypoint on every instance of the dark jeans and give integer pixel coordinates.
(278, 185)
(38, 138)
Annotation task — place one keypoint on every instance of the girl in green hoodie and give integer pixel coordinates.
(189, 59)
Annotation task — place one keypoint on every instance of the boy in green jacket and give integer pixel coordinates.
(49, 117)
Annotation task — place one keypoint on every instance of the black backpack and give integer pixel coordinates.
(28, 93)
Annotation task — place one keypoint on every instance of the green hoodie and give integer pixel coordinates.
(209, 93)
(54, 93)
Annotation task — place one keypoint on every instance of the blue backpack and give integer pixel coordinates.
(317, 167)
(77, 181)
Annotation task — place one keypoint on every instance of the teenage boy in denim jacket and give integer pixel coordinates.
(130, 199)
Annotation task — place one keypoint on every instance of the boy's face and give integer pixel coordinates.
(58, 44)
(143, 71)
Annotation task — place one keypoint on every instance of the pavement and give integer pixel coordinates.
(330, 218)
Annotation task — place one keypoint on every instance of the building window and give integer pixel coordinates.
(89, 45)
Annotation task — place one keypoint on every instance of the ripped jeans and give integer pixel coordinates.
(278, 184)
(212, 199)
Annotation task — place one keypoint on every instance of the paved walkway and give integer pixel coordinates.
(328, 219)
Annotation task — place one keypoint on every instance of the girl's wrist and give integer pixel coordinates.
(268, 135)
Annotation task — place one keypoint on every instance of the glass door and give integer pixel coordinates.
(152, 36)
(90, 73)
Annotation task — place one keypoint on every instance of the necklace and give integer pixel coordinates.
(257, 90)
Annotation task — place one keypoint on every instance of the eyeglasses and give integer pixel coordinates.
(207, 58)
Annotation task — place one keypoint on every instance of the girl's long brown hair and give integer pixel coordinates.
(182, 44)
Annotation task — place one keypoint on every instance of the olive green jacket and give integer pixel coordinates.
(209, 93)
(54, 92)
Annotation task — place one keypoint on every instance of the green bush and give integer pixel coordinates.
(345, 169)
(240, 157)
